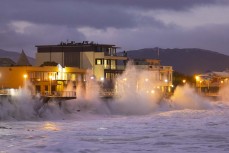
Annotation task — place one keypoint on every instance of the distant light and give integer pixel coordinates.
(102, 79)
(197, 78)
(25, 76)
(152, 91)
(172, 85)
(92, 78)
(50, 77)
(146, 80)
(222, 82)
(124, 79)
(166, 80)
(184, 81)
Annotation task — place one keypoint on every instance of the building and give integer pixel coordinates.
(45, 80)
(102, 59)
(211, 82)
(161, 75)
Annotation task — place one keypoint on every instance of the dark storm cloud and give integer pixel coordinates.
(15, 41)
(52, 21)
(70, 13)
(157, 4)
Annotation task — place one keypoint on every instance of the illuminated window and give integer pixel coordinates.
(98, 61)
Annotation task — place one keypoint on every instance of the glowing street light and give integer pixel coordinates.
(25, 76)
(184, 81)
(197, 78)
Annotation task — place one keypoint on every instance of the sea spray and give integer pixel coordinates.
(224, 94)
(19, 105)
(136, 92)
(88, 95)
(185, 97)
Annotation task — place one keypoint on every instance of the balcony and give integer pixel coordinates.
(114, 67)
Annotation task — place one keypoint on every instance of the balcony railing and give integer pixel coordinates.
(114, 67)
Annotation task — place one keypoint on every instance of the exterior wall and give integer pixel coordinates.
(12, 77)
(162, 75)
(44, 79)
(41, 57)
(54, 56)
(72, 59)
(87, 60)
(99, 69)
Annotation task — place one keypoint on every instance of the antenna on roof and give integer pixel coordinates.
(158, 53)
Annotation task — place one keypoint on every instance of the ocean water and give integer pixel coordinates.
(174, 130)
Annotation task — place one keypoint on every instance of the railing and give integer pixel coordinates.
(57, 93)
(117, 67)
(107, 93)
(12, 92)
(120, 54)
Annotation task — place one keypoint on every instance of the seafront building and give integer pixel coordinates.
(102, 59)
(57, 65)
(161, 75)
(46, 80)
(210, 83)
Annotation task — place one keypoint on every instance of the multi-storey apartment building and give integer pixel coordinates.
(101, 59)
(162, 76)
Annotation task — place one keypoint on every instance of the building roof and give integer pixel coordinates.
(7, 62)
(78, 44)
(23, 60)
(221, 74)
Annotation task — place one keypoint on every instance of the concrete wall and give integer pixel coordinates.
(44, 57)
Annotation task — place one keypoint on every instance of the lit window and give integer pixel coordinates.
(98, 62)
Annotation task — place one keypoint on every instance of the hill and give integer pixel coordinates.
(188, 61)
(14, 56)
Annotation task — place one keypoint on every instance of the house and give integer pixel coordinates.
(44, 79)
(101, 59)
(162, 76)
(211, 82)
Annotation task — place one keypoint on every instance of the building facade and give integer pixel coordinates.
(101, 59)
(45, 80)
(161, 75)
(211, 82)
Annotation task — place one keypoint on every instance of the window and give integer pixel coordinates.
(99, 61)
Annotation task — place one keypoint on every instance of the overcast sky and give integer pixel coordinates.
(130, 24)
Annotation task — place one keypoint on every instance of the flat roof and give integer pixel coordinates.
(78, 44)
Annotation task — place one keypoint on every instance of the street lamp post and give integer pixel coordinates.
(50, 78)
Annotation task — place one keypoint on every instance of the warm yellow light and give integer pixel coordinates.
(102, 79)
(197, 78)
(152, 91)
(184, 81)
(50, 77)
(222, 82)
(25, 76)
(50, 126)
(146, 80)
(124, 79)
(166, 80)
